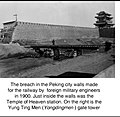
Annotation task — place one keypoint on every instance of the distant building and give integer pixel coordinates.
(105, 25)
(7, 31)
(104, 20)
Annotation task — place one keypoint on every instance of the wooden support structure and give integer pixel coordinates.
(40, 52)
(79, 52)
(56, 53)
(56, 49)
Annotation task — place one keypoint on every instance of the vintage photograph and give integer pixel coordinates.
(57, 39)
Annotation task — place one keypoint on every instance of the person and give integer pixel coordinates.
(53, 42)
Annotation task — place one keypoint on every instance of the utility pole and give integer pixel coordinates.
(15, 17)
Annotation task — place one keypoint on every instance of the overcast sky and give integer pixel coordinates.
(66, 13)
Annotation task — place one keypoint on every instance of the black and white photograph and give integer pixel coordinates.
(57, 39)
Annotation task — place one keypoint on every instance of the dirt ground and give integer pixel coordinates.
(43, 67)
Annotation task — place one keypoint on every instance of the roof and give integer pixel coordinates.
(9, 22)
(103, 16)
(103, 12)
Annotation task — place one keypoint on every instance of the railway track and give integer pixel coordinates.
(63, 46)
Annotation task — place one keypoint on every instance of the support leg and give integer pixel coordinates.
(56, 54)
(79, 52)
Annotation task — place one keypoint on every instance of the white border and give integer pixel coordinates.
(110, 88)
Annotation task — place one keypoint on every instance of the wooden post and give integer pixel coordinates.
(56, 53)
(79, 52)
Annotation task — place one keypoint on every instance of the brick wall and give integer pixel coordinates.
(107, 32)
(46, 32)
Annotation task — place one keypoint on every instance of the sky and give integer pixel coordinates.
(59, 12)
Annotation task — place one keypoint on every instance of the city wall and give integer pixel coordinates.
(47, 32)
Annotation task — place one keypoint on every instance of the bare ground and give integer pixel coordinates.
(42, 67)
